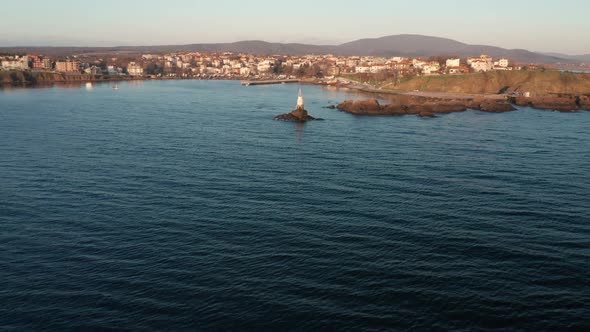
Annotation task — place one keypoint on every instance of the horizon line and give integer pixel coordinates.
(73, 45)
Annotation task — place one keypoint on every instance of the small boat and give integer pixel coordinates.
(115, 87)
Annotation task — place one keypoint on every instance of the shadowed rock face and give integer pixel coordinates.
(426, 114)
(361, 106)
(561, 104)
(298, 115)
(496, 107)
(423, 107)
(584, 102)
(295, 116)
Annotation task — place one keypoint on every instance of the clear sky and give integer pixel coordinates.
(542, 25)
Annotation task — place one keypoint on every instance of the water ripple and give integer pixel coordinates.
(172, 207)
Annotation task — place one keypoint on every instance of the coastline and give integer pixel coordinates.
(556, 101)
(36, 79)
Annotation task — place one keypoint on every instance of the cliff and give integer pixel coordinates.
(33, 77)
(548, 83)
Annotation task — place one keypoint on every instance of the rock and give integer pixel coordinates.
(394, 109)
(447, 107)
(584, 102)
(561, 104)
(496, 107)
(360, 107)
(424, 107)
(298, 115)
(425, 114)
(418, 108)
(331, 107)
(403, 106)
(294, 118)
(523, 101)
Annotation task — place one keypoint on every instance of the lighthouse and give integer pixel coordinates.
(300, 106)
(299, 114)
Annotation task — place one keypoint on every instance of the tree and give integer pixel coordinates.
(277, 67)
(154, 69)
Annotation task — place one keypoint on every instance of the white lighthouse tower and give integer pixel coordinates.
(300, 106)
(299, 114)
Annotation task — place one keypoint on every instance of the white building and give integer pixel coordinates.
(134, 69)
(263, 66)
(503, 63)
(18, 63)
(377, 69)
(430, 68)
(397, 59)
(352, 62)
(111, 70)
(481, 63)
(455, 62)
(418, 63)
(244, 71)
(362, 69)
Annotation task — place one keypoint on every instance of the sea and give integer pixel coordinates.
(182, 205)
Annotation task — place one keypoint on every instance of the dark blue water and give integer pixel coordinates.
(181, 205)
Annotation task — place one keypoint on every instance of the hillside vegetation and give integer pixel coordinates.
(537, 83)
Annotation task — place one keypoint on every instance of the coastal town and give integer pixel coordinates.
(439, 77)
(227, 65)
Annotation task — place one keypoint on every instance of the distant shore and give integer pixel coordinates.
(564, 92)
(34, 78)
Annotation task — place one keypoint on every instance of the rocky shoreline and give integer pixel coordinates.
(429, 107)
(567, 103)
(423, 107)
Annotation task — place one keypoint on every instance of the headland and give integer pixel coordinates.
(550, 90)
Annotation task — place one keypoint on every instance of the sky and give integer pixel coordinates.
(542, 25)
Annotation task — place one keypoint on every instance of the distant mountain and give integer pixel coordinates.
(578, 58)
(401, 45)
(582, 58)
(425, 46)
(259, 47)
